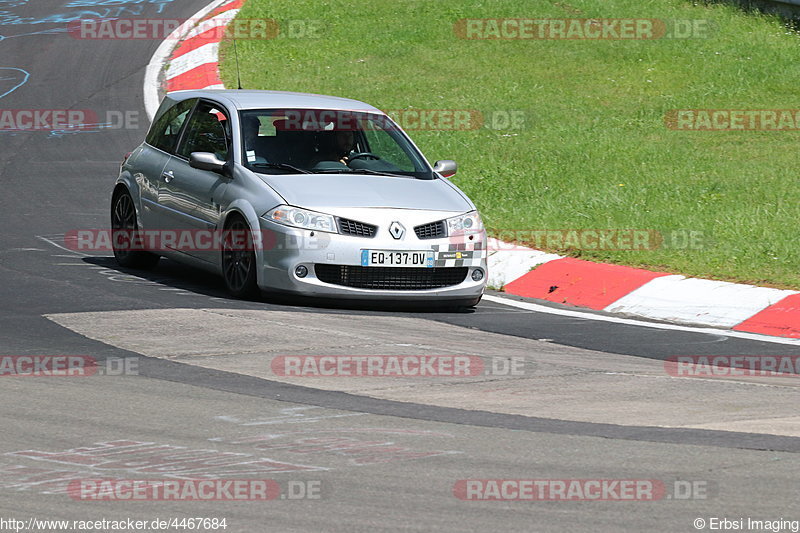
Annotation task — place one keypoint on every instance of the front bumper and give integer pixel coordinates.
(287, 248)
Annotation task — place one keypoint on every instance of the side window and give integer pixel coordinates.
(164, 133)
(381, 144)
(208, 130)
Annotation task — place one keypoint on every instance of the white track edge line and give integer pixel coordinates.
(528, 306)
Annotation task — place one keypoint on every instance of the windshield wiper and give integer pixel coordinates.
(359, 171)
(281, 166)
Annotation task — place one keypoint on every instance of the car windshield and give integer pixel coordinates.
(299, 141)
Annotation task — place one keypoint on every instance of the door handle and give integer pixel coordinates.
(168, 176)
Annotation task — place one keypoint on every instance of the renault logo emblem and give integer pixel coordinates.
(397, 230)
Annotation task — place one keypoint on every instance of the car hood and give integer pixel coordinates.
(316, 191)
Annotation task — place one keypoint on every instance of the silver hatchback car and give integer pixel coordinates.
(297, 193)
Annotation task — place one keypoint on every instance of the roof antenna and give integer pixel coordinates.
(236, 54)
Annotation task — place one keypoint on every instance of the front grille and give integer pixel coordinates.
(430, 231)
(390, 278)
(360, 229)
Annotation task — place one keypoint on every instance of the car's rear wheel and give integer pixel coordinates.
(239, 260)
(124, 227)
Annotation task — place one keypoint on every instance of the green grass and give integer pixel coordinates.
(594, 152)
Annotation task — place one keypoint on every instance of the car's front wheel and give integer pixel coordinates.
(239, 260)
(124, 227)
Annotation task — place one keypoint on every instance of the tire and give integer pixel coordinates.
(239, 260)
(124, 225)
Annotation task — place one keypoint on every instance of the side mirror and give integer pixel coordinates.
(446, 167)
(206, 161)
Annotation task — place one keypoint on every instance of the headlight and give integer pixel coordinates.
(464, 224)
(302, 218)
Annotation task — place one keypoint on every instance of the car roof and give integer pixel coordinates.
(249, 99)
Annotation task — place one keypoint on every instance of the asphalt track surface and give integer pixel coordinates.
(55, 182)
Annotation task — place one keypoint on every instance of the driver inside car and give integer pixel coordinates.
(344, 145)
(334, 146)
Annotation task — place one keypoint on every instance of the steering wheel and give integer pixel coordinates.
(362, 154)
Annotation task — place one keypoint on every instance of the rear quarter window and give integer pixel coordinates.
(165, 131)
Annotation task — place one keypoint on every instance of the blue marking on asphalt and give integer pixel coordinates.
(103, 10)
(18, 85)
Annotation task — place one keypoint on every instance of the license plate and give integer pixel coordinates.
(391, 258)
